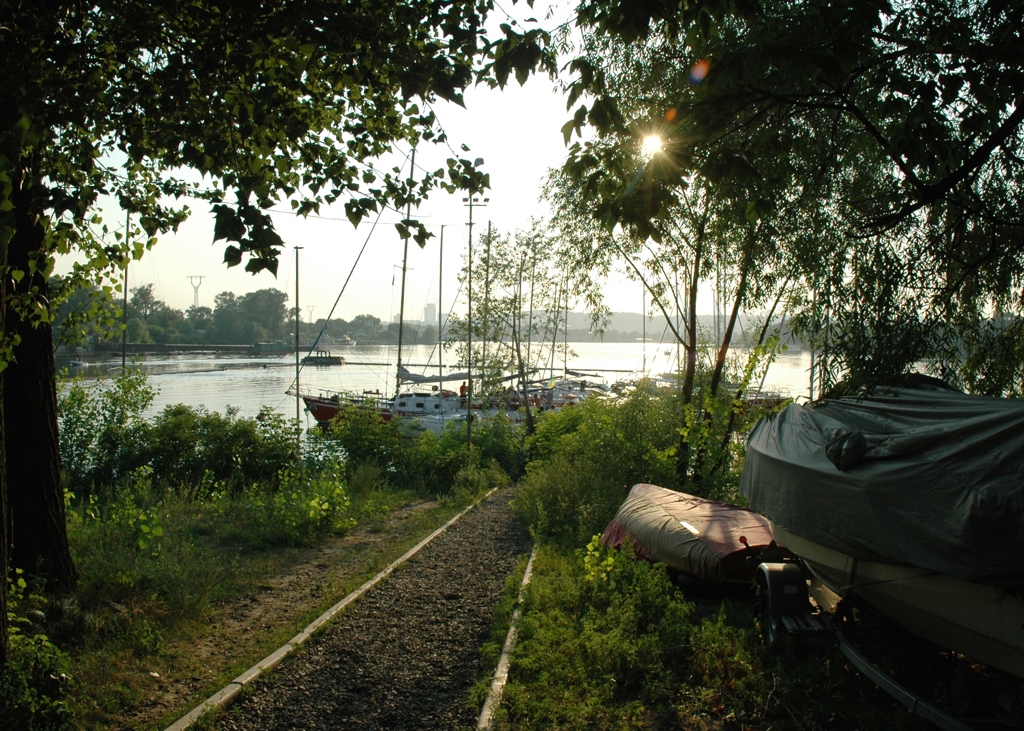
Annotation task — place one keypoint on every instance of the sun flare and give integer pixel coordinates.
(652, 145)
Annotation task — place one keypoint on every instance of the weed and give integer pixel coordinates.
(36, 680)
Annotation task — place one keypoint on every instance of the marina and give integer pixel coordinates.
(218, 381)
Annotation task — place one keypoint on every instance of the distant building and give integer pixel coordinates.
(430, 313)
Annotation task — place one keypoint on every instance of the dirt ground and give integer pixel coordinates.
(235, 636)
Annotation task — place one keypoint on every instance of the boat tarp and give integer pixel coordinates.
(926, 478)
(691, 534)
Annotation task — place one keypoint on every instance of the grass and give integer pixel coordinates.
(608, 642)
(501, 620)
(140, 611)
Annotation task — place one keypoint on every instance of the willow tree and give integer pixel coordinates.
(891, 132)
(116, 103)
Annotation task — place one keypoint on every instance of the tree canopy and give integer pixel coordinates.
(879, 142)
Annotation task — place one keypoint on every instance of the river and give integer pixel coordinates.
(250, 383)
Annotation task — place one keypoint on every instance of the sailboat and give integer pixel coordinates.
(419, 407)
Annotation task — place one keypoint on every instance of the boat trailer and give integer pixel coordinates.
(786, 606)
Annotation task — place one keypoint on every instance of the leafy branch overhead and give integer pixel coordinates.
(876, 147)
(291, 101)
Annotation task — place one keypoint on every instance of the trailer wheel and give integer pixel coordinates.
(782, 593)
(772, 629)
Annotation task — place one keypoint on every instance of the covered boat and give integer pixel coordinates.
(690, 534)
(912, 499)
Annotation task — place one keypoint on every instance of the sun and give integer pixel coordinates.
(651, 145)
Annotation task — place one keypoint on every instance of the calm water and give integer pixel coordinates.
(250, 383)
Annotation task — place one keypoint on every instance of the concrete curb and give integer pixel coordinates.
(226, 695)
(501, 672)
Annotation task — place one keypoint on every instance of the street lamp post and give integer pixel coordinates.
(298, 398)
(471, 202)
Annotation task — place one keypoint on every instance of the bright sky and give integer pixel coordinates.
(517, 132)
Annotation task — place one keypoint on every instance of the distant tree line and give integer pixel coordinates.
(93, 318)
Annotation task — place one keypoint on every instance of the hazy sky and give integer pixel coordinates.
(515, 131)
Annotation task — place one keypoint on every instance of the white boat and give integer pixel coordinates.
(981, 621)
(434, 408)
(911, 499)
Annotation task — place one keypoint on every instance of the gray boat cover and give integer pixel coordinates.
(925, 478)
(687, 533)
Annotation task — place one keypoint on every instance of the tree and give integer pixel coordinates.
(83, 315)
(201, 320)
(143, 302)
(520, 295)
(266, 309)
(892, 132)
(366, 326)
(266, 101)
(227, 318)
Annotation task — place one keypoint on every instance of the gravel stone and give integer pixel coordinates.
(404, 655)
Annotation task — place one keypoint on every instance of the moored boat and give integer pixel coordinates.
(411, 404)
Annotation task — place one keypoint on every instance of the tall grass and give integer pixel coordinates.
(609, 642)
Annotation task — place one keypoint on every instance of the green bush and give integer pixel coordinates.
(472, 482)
(367, 438)
(36, 681)
(186, 445)
(497, 439)
(104, 439)
(102, 430)
(600, 641)
(420, 460)
(586, 459)
(302, 509)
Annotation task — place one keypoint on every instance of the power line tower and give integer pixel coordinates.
(195, 280)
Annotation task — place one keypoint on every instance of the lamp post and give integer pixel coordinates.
(298, 398)
(470, 202)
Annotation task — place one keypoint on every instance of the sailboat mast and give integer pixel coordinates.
(487, 301)
(405, 261)
(440, 315)
(470, 201)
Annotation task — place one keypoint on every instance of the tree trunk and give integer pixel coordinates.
(683, 451)
(5, 532)
(35, 496)
(716, 377)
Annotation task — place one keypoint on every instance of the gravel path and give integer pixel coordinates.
(405, 655)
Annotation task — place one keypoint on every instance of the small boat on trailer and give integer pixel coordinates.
(911, 499)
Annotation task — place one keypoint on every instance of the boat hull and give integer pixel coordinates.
(984, 622)
(690, 534)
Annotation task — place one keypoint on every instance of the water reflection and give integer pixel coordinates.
(219, 381)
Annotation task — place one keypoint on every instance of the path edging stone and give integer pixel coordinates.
(229, 693)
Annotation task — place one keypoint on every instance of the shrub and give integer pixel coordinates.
(304, 508)
(587, 459)
(472, 482)
(104, 439)
(35, 683)
(367, 438)
(497, 439)
(189, 445)
(102, 430)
